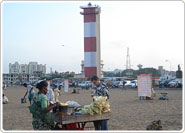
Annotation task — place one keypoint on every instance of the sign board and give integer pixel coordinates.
(144, 85)
(66, 85)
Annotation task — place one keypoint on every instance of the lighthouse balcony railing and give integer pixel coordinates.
(82, 13)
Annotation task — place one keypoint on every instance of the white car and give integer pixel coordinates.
(88, 83)
(120, 85)
(85, 84)
(132, 84)
(81, 84)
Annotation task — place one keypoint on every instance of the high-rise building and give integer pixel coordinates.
(14, 68)
(30, 68)
(35, 67)
(92, 59)
(23, 69)
(20, 73)
(41, 68)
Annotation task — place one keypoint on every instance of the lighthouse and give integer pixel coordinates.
(92, 55)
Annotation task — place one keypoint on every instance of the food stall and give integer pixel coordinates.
(77, 122)
(75, 118)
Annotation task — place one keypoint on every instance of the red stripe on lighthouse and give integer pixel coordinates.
(90, 44)
(89, 15)
(90, 18)
(89, 71)
(89, 11)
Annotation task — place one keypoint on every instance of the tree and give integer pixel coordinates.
(153, 71)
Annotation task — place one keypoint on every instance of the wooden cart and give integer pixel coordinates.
(77, 122)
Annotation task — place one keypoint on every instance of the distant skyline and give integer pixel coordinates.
(52, 33)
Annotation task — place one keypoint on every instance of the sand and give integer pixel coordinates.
(128, 113)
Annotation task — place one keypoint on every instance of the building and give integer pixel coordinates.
(166, 74)
(79, 76)
(35, 67)
(13, 78)
(20, 73)
(92, 59)
(23, 69)
(30, 68)
(161, 70)
(14, 68)
(101, 68)
(20, 78)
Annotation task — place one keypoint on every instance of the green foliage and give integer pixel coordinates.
(153, 71)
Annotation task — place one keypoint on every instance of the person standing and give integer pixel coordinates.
(124, 82)
(30, 91)
(4, 86)
(100, 89)
(50, 95)
(56, 93)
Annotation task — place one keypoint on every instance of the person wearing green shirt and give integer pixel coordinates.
(40, 109)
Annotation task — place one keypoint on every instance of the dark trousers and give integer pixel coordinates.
(101, 125)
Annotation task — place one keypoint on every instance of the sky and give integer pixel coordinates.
(36, 31)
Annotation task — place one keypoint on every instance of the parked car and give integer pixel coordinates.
(115, 84)
(132, 84)
(173, 84)
(163, 83)
(70, 84)
(85, 84)
(179, 84)
(176, 83)
(120, 85)
(123, 82)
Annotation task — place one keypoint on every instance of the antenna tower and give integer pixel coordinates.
(128, 65)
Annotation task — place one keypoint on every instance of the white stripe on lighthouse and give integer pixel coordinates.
(90, 29)
(90, 59)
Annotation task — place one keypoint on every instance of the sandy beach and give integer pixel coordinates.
(127, 112)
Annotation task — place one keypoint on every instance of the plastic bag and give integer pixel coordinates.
(72, 104)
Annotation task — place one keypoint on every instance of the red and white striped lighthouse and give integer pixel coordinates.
(91, 40)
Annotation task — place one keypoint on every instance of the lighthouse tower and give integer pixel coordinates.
(91, 40)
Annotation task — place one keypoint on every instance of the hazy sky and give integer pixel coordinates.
(36, 31)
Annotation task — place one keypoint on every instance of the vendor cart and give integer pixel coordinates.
(77, 122)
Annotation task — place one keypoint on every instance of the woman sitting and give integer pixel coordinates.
(40, 109)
